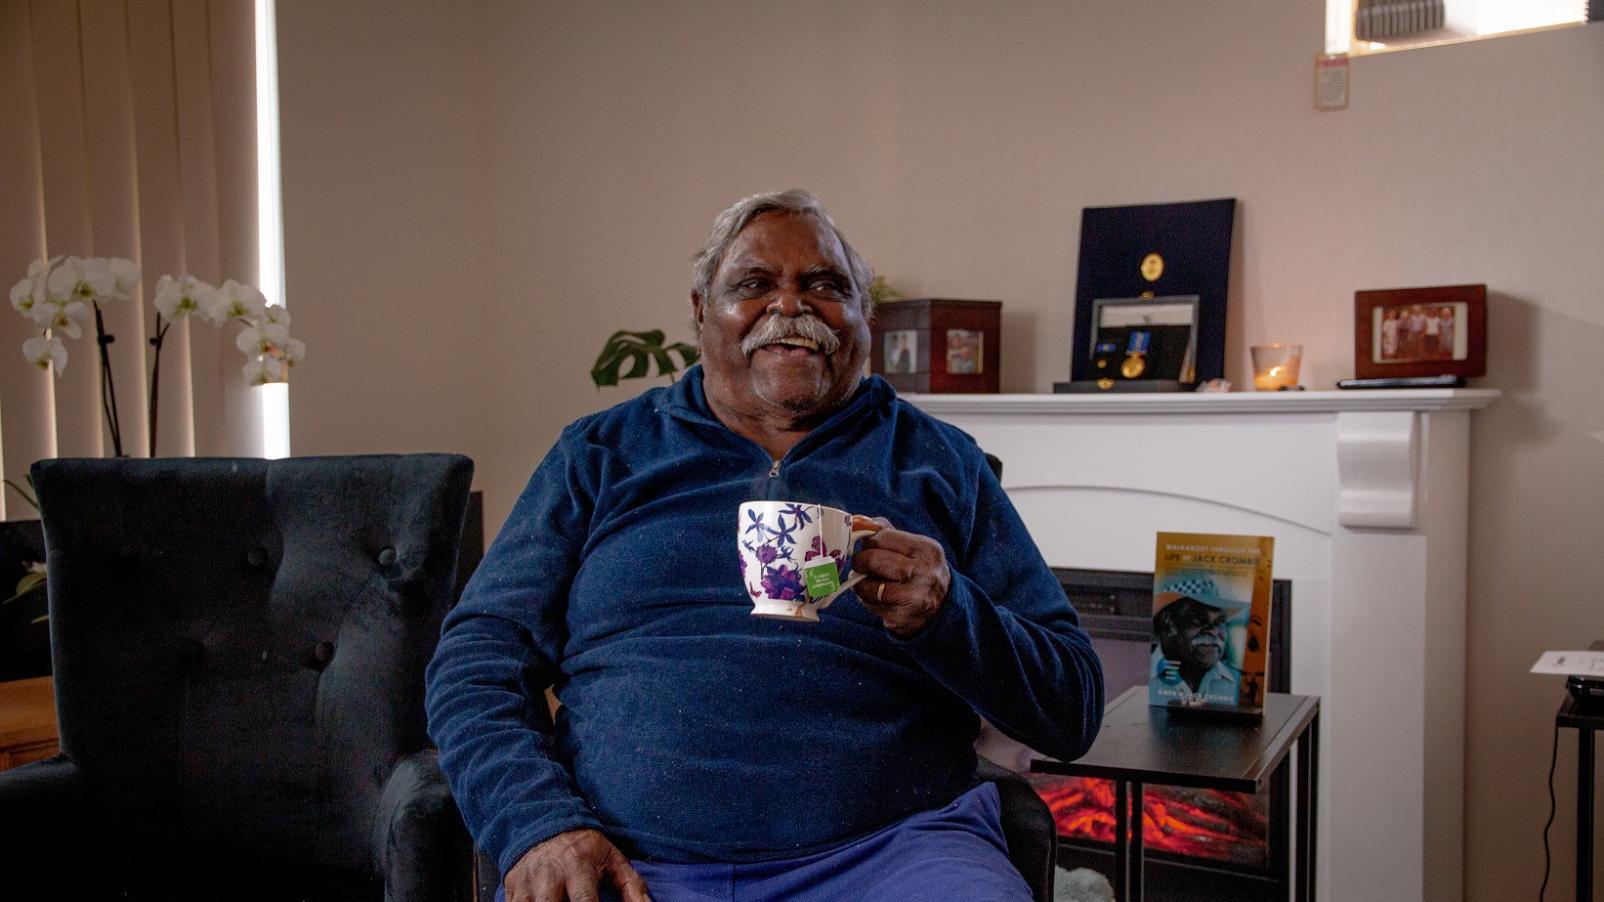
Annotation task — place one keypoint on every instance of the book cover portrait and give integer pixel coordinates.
(1211, 620)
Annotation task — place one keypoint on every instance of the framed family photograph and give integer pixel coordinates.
(1440, 331)
(901, 351)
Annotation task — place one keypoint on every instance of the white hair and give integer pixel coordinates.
(798, 201)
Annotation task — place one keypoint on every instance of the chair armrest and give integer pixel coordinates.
(1027, 826)
(41, 806)
(420, 846)
(487, 876)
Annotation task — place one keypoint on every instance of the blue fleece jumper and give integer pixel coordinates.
(693, 731)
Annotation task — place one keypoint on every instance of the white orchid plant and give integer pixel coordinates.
(59, 293)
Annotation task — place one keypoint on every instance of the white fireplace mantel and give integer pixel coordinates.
(1366, 493)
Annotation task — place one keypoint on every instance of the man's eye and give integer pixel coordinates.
(752, 284)
(829, 286)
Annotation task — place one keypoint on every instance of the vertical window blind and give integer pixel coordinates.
(129, 131)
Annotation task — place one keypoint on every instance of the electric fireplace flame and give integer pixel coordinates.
(1197, 823)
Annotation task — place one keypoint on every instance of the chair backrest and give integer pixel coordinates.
(239, 644)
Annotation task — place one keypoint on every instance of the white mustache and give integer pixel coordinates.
(777, 327)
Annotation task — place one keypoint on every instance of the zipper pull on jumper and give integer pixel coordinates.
(774, 471)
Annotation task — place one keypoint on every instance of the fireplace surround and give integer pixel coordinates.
(1366, 494)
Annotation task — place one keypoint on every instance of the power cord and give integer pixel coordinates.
(1553, 756)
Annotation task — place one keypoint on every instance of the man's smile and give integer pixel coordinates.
(793, 346)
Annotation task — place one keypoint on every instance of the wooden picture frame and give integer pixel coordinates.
(939, 345)
(1405, 332)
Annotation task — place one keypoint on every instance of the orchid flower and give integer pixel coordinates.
(33, 290)
(83, 279)
(62, 317)
(235, 300)
(263, 338)
(42, 352)
(58, 294)
(178, 298)
(125, 276)
(24, 296)
(263, 370)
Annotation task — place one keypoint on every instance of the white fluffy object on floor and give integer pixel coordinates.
(1081, 885)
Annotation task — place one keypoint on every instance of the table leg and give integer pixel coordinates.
(1135, 882)
(1308, 794)
(1584, 813)
(1121, 836)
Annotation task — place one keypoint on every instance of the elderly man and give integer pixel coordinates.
(1188, 660)
(701, 752)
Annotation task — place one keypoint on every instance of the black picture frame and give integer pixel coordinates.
(1156, 250)
(1171, 347)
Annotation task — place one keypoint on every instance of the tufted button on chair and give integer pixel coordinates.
(239, 649)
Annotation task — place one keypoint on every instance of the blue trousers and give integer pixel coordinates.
(952, 853)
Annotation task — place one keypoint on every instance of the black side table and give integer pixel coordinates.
(1140, 744)
(1585, 717)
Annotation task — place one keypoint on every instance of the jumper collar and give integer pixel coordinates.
(687, 400)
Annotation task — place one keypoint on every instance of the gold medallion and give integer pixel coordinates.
(1152, 267)
(1105, 384)
(1101, 364)
(1133, 366)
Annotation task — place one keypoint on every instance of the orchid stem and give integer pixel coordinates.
(108, 385)
(156, 375)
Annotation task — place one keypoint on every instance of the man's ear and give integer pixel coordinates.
(696, 311)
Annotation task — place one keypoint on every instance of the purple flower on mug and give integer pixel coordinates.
(766, 554)
(756, 524)
(817, 550)
(799, 512)
(783, 532)
(782, 584)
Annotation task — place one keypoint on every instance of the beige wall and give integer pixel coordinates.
(384, 140)
(476, 195)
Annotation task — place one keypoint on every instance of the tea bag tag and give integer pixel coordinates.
(821, 577)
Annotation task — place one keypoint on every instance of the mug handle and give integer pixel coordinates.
(853, 576)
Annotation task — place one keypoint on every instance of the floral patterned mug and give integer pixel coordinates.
(795, 557)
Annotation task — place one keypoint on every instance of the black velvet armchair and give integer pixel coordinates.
(238, 648)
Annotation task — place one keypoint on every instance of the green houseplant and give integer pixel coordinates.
(639, 350)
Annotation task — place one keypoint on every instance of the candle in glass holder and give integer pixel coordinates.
(1275, 366)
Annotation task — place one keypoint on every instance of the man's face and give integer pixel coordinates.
(1198, 635)
(782, 271)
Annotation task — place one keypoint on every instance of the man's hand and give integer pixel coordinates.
(907, 577)
(571, 867)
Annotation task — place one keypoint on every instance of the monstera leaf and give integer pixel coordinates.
(639, 350)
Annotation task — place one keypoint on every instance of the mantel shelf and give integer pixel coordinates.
(1425, 400)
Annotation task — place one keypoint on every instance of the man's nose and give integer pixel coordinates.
(787, 303)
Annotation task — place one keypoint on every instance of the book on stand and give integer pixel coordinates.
(1211, 623)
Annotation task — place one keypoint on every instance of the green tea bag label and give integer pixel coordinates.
(821, 577)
